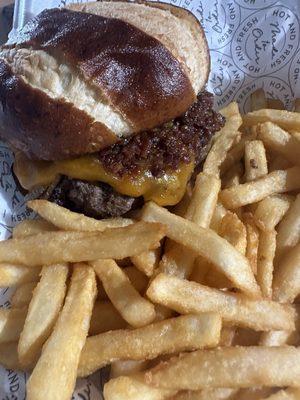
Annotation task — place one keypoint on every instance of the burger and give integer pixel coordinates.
(104, 105)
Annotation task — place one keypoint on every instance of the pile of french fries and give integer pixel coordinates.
(200, 302)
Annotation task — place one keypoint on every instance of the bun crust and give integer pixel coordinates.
(44, 128)
(140, 81)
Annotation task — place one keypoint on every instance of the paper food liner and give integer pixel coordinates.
(253, 44)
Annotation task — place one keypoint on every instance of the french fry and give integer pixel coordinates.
(177, 260)
(54, 375)
(227, 336)
(224, 141)
(11, 323)
(252, 192)
(271, 210)
(23, 295)
(147, 262)
(138, 280)
(217, 217)
(135, 309)
(275, 104)
(206, 394)
(280, 141)
(235, 155)
(207, 244)
(32, 227)
(258, 100)
(136, 277)
(270, 366)
(285, 119)
(127, 368)
(256, 165)
(233, 230)
(289, 229)
(105, 318)
(16, 275)
(42, 314)
(204, 200)
(164, 337)
(9, 356)
(286, 394)
(57, 247)
(255, 393)
(279, 338)
(252, 240)
(233, 176)
(265, 258)
(134, 388)
(68, 220)
(286, 285)
(189, 297)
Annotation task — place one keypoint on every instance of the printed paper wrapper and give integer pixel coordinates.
(253, 44)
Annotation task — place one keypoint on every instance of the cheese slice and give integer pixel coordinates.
(165, 190)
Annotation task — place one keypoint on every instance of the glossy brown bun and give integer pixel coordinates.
(79, 79)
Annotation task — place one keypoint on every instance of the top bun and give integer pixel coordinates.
(79, 79)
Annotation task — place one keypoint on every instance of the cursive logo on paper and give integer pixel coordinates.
(255, 4)
(294, 75)
(219, 20)
(225, 79)
(274, 88)
(266, 41)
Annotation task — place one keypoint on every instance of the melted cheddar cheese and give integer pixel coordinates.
(165, 190)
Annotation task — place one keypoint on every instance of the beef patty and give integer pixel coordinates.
(162, 149)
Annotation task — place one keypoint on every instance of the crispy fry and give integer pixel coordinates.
(178, 260)
(233, 230)
(285, 119)
(42, 314)
(135, 309)
(165, 337)
(147, 262)
(274, 366)
(217, 217)
(105, 318)
(265, 257)
(271, 210)
(227, 336)
(287, 394)
(189, 297)
(56, 247)
(252, 240)
(233, 176)
(224, 140)
(287, 278)
(54, 375)
(279, 338)
(134, 388)
(32, 227)
(206, 394)
(289, 229)
(256, 165)
(23, 295)
(16, 275)
(127, 367)
(72, 221)
(258, 100)
(236, 153)
(207, 244)
(11, 323)
(251, 192)
(280, 141)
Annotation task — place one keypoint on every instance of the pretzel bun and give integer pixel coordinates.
(81, 78)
